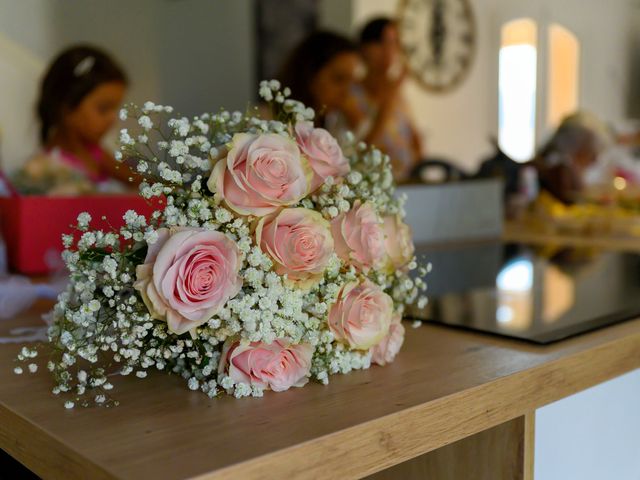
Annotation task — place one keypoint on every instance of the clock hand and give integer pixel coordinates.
(437, 33)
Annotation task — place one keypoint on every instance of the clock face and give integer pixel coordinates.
(438, 39)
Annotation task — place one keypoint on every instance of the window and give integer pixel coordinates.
(562, 82)
(517, 89)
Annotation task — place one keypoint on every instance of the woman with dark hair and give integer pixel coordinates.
(79, 99)
(384, 118)
(320, 72)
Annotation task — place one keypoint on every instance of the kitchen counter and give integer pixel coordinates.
(445, 388)
(522, 233)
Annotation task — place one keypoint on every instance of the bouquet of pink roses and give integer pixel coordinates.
(278, 255)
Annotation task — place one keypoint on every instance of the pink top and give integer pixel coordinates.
(79, 166)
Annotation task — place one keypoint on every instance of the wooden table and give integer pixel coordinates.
(519, 233)
(466, 398)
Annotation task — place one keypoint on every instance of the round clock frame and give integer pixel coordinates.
(435, 39)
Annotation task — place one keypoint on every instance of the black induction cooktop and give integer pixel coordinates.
(540, 294)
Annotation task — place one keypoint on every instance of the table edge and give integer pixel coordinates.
(53, 458)
(376, 444)
(380, 443)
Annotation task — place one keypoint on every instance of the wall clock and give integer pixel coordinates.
(438, 38)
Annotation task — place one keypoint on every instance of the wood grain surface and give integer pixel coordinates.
(529, 445)
(444, 386)
(493, 454)
(519, 233)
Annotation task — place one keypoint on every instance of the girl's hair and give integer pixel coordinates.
(373, 31)
(308, 58)
(74, 74)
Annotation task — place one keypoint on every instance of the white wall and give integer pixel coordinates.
(456, 125)
(197, 55)
(592, 435)
(20, 69)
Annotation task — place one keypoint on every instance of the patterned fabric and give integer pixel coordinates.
(72, 161)
(397, 134)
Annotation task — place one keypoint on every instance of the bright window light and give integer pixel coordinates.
(564, 66)
(516, 276)
(517, 89)
(514, 309)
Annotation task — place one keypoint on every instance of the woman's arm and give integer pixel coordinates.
(387, 103)
(417, 144)
(369, 129)
(384, 114)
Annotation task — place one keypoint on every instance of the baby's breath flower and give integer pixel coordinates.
(151, 237)
(125, 138)
(223, 215)
(332, 212)
(193, 383)
(105, 315)
(83, 221)
(145, 122)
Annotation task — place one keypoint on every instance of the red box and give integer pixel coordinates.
(32, 226)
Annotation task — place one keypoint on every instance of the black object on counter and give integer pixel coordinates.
(538, 294)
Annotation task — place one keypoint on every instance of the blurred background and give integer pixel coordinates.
(200, 54)
(510, 120)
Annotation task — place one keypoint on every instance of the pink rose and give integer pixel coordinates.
(324, 154)
(359, 237)
(361, 315)
(260, 174)
(299, 242)
(188, 276)
(386, 351)
(278, 365)
(398, 242)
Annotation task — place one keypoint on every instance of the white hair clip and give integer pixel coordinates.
(83, 66)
